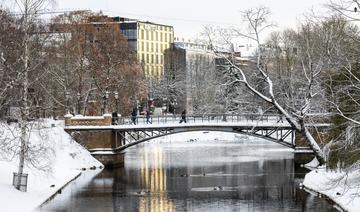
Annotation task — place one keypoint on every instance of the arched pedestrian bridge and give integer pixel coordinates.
(106, 141)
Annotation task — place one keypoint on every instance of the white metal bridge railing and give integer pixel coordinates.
(205, 118)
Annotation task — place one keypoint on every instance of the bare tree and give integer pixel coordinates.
(27, 64)
(90, 62)
(9, 55)
(348, 9)
(343, 98)
(306, 63)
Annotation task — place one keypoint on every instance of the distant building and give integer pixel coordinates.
(236, 97)
(193, 65)
(149, 41)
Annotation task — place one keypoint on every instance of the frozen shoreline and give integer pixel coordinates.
(342, 188)
(66, 160)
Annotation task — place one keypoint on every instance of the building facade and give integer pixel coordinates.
(193, 65)
(149, 41)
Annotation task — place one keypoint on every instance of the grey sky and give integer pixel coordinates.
(189, 16)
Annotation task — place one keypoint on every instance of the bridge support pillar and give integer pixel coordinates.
(302, 156)
(101, 144)
(111, 160)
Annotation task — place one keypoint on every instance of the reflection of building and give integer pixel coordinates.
(149, 40)
(153, 179)
(193, 65)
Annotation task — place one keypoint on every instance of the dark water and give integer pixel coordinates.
(194, 176)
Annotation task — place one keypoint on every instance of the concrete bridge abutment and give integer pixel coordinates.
(99, 142)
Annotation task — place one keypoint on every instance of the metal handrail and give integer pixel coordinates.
(204, 118)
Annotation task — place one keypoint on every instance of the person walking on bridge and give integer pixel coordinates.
(148, 117)
(183, 117)
(133, 116)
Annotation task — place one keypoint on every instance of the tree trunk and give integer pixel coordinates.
(312, 143)
(24, 101)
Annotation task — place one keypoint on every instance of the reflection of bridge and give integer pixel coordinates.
(106, 141)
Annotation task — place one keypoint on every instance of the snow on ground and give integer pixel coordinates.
(341, 187)
(58, 167)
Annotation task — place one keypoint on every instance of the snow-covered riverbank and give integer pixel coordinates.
(58, 166)
(343, 188)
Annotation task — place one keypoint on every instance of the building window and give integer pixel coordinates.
(157, 47)
(142, 46)
(142, 34)
(152, 58)
(152, 35)
(152, 47)
(166, 37)
(161, 36)
(130, 33)
(147, 35)
(147, 58)
(157, 36)
(147, 47)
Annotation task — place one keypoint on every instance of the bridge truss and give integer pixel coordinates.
(126, 138)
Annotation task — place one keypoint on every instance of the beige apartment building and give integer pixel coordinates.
(149, 40)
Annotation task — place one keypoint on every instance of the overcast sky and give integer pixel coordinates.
(189, 16)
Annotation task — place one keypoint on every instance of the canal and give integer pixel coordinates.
(222, 173)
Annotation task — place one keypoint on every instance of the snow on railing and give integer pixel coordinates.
(205, 118)
(80, 120)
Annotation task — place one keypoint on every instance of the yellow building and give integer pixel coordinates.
(149, 40)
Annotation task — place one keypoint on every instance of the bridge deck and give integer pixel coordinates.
(244, 125)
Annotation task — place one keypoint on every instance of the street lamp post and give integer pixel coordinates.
(164, 107)
(138, 107)
(106, 97)
(175, 104)
(78, 102)
(116, 95)
(67, 97)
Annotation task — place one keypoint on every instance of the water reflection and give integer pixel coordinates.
(152, 180)
(199, 176)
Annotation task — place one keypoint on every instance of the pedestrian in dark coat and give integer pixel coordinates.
(133, 116)
(115, 118)
(183, 117)
(148, 117)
